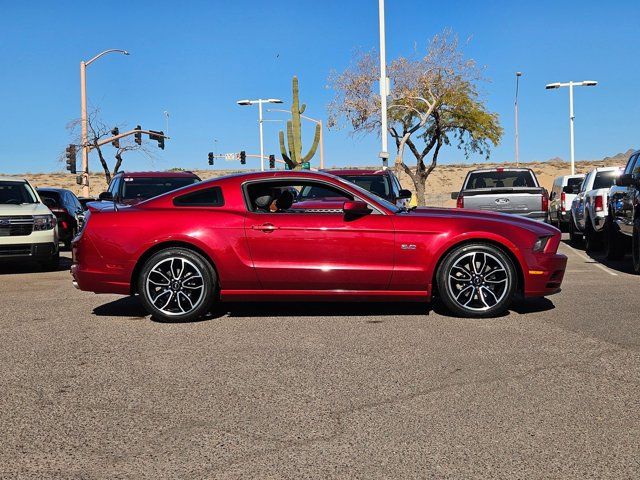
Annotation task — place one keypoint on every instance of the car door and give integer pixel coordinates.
(622, 198)
(313, 245)
(579, 202)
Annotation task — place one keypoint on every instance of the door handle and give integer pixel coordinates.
(265, 227)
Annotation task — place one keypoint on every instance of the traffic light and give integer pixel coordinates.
(210, 158)
(157, 136)
(243, 157)
(138, 135)
(71, 158)
(116, 142)
(272, 161)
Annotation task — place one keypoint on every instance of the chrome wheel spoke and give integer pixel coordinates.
(175, 286)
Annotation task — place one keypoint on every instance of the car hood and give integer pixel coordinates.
(24, 209)
(534, 226)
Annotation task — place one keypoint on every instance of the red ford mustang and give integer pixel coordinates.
(309, 236)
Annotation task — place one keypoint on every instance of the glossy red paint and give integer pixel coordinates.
(385, 255)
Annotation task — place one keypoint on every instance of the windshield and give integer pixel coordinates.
(16, 193)
(605, 179)
(504, 179)
(366, 194)
(148, 187)
(376, 184)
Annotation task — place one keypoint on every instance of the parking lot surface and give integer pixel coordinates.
(90, 387)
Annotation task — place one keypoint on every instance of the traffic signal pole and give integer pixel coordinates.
(104, 141)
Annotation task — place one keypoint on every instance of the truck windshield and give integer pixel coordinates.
(497, 179)
(16, 193)
(605, 179)
(376, 184)
(147, 187)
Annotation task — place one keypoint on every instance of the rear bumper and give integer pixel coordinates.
(544, 275)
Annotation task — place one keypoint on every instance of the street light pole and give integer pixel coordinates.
(384, 90)
(260, 101)
(518, 75)
(571, 84)
(319, 122)
(83, 116)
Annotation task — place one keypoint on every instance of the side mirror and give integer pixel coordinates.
(50, 202)
(356, 207)
(105, 196)
(404, 193)
(625, 180)
(553, 195)
(568, 189)
(454, 195)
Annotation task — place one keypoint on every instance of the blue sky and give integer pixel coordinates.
(195, 59)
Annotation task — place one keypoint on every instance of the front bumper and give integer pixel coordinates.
(544, 275)
(28, 251)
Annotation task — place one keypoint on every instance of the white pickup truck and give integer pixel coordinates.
(28, 229)
(589, 207)
(505, 190)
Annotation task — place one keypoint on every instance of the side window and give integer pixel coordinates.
(207, 197)
(395, 185)
(630, 164)
(295, 197)
(636, 167)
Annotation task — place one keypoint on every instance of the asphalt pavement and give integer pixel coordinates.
(91, 387)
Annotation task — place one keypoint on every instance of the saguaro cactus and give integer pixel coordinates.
(294, 156)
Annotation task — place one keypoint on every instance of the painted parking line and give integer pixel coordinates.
(590, 260)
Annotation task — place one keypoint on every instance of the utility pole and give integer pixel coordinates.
(518, 75)
(384, 87)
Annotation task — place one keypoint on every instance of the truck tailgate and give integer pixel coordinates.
(520, 201)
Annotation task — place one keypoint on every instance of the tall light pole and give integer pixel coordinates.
(318, 122)
(83, 116)
(518, 75)
(584, 83)
(384, 87)
(260, 101)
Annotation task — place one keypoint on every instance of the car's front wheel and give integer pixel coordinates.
(177, 285)
(614, 247)
(592, 239)
(477, 280)
(575, 237)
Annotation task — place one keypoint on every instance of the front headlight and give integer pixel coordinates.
(43, 222)
(540, 244)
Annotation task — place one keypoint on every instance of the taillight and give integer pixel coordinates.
(599, 203)
(563, 199)
(545, 202)
(460, 202)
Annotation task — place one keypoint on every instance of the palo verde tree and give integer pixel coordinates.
(294, 157)
(435, 103)
(97, 130)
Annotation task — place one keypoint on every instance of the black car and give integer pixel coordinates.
(623, 220)
(67, 209)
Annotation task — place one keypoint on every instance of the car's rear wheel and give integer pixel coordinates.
(177, 285)
(592, 239)
(614, 247)
(477, 280)
(635, 248)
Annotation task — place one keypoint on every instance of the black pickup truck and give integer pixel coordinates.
(622, 226)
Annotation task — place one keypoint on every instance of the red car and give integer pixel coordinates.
(256, 236)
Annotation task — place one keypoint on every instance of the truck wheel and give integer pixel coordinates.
(476, 280)
(592, 239)
(635, 248)
(614, 248)
(177, 285)
(52, 263)
(575, 238)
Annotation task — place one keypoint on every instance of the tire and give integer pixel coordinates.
(53, 263)
(635, 248)
(614, 247)
(67, 243)
(177, 285)
(575, 238)
(484, 272)
(592, 239)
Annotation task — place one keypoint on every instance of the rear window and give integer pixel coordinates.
(376, 184)
(147, 187)
(500, 179)
(208, 197)
(574, 182)
(604, 179)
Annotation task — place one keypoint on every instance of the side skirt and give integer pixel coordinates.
(327, 295)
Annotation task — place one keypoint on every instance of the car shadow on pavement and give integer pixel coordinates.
(597, 256)
(16, 268)
(130, 307)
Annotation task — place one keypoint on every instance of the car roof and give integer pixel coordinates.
(52, 189)
(12, 179)
(500, 169)
(355, 171)
(164, 174)
(607, 169)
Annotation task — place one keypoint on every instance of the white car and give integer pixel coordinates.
(589, 207)
(28, 231)
(560, 200)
